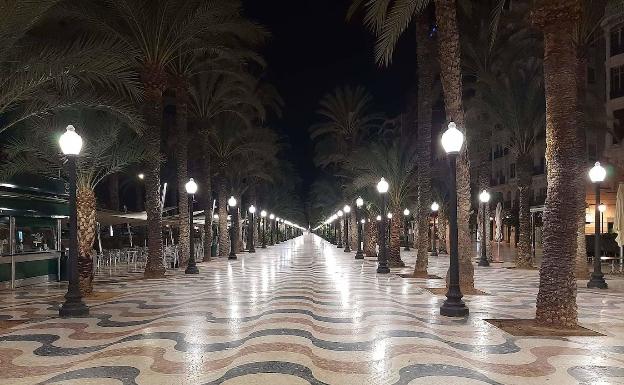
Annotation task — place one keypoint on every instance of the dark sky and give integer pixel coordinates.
(311, 51)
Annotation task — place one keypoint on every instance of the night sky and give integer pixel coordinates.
(311, 51)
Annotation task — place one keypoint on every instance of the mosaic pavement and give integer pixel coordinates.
(303, 312)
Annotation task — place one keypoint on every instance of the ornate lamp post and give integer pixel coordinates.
(434, 233)
(271, 228)
(382, 188)
(252, 225)
(406, 214)
(360, 222)
(602, 208)
(263, 215)
(453, 306)
(347, 211)
(484, 197)
(340, 214)
(597, 175)
(71, 144)
(191, 189)
(234, 222)
(277, 230)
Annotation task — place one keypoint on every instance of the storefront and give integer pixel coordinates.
(32, 210)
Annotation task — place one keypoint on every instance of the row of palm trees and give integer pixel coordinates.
(111, 68)
(521, 70)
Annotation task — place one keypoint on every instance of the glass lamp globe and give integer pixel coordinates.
(378, 217)
(141, 176)
(602, 207)
(216, 216)
(435, 206)
(597, 173)
(389, 215)
(363, 221)
(406, 212)
(70, 141)
(277, 219)
(452, 139)
(347, 209)
(340, 213)
(382, 186)
(271, 216)
(359, 202)
(484, 196)
(252, 209)
(232, 201)
(263, 213)
(191, 186)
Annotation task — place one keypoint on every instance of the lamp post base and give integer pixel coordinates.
(232, 256)
(252, 250)
(597, 281)
(73, 307)
(454, 308)
(191, 269)
(359, 255)
(347, 249)
(483, 262)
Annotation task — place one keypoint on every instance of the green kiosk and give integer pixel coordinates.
(33, 213)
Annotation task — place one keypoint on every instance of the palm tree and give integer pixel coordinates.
(397, 162)
(515, 102)
(556, 298)
(348, 121)
(153, 34)
(109, 148)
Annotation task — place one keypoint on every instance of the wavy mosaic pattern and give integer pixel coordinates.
(303, 312)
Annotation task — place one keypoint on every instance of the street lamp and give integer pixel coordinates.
(347, 211)
(191, 189)
(271, 226)
(234, 222)
(382, 188)
(141, 176)
(340, 214)
(597, 174)
(434, 233)
(360, 223)
(263, 214)
(406, 214)
(71, 144)
(484, 197)
(453, 306)
(602, 208)
(251, 224)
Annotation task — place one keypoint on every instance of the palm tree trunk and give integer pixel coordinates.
(556, 298)
(206, 178)
(370, 238)
(394, 246)
(154, 80)
(425, 51)
(181, 157)
(485, 171)
(524, 167)
(581, 271)
(239, 227)
(450, 74)
(113, 191)
(224, 243)
(442, 231)
(87, 227)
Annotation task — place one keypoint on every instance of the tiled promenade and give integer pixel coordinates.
(303, 312)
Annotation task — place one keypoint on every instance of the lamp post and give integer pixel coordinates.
(263, 215)
(340, 214)
(252, 224)
(484, 197)
(233, 222)
(191, 189)
(602, 208)
(453, 306)
(597, 175)
(347, 211)
(71, 144)
(382, 188)
(406, 214)
(434, 231)
(358, 207)
(271, 226)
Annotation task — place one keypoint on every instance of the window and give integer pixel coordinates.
(512, 170)
(617, 82)
(617, 41)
